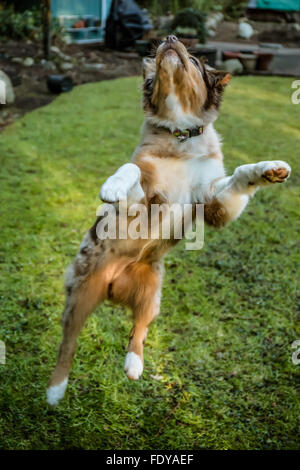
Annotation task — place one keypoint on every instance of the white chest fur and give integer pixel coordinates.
(189, 179)
(185, 181)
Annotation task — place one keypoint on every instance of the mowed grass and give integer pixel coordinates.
(218, 369)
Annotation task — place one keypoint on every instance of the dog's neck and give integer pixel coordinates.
(182, 134)
(161, 140)
(184, 122)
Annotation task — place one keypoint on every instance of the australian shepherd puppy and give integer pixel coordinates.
(179, 160)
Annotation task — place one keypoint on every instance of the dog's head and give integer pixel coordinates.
(179, 88)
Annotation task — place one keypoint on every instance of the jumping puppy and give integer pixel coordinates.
(179, 160)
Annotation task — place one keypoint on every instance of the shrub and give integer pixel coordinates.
(191, 18)
(26, 25)
(231, 8)
(19, 25)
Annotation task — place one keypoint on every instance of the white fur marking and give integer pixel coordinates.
(122, 184)
(56, 392)
(133, 366)
(252, 173)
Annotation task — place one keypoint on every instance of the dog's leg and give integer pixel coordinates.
(231, 194)
(143, 314)
(122, 185)
(85, 289)
(78, 306)
(139, 287)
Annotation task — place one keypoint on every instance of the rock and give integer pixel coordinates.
(28, 61)
(295, 27)
(93, 56)
(67, 39)
(92, 67)
(211, 33)
(245, 30)
(233, 66)
(165, 22)
(56, 50)
(9, 90)
(65, 66)
(60, 54)
(48, 64)
(17, 60)
(214, 20)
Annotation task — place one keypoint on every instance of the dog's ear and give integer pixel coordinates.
(217, 78)
(149, 66)
(216, 81)
(222, 78)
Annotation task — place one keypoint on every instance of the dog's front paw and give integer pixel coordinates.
(133, 366)
(260, 174)
(271, 172)
(113, 190)
(277, 175)
(125, 183)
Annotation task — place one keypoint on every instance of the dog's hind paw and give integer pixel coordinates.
(56, 392)
(133, 366)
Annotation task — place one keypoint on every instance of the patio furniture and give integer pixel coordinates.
(92, 14)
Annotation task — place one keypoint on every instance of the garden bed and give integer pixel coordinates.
(30, 83)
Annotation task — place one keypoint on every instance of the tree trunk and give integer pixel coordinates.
(46, 27)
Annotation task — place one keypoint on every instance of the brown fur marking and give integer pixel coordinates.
(215, 214)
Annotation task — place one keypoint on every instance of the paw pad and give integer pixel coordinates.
(276, 176)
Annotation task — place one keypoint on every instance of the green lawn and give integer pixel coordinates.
(222, 344)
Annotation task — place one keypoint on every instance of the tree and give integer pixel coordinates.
(46, 5)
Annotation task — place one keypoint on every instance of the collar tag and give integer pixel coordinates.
(182, 135)
(185, 134)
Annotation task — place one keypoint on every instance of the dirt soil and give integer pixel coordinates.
(30, 83)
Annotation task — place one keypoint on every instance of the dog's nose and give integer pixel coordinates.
(171, 38)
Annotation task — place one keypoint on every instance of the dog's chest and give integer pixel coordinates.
(187, 180)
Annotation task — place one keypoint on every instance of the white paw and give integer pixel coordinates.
(56, 392)
(124, 183)
(133, 366)
(261, 173)
(113, 190)
(275, 172)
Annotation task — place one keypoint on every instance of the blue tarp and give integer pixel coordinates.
(281, 5)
